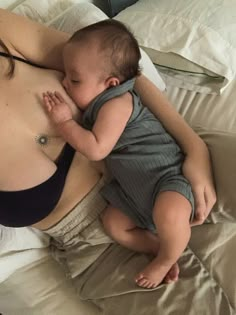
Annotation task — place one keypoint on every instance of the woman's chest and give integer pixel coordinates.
(21, 98)
(21, 104)
(29, 142)
(25, 126)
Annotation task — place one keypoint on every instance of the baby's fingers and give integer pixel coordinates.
(59, 96)
(47, 102)
(53, 98)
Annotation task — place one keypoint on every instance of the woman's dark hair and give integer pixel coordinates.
(117, 41)
(10, 72)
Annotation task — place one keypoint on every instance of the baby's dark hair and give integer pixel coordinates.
(118, 43)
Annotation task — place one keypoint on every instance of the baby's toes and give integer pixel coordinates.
(154, 285)
(143, 282)
(151, 285)
(139, 277)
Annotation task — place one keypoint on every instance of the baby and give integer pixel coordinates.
(150, 201)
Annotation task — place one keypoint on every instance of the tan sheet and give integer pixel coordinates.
(213, 117)
(203, 287)
(206, 285)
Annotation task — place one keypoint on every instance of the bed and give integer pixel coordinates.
(193, 47)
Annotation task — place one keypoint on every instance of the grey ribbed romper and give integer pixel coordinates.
(145, 161)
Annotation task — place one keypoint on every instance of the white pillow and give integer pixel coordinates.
(44, 10)
(9, 4)
(77, 16)
(149, 70)
(204, 34)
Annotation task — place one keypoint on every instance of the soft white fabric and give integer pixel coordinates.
(19, 247)
(189, 29)
(150, 71)
(9, 4)
(42, 5)
(77, 16)
(46, 10)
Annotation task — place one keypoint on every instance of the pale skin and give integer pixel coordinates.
(171, 213)
(22, 119)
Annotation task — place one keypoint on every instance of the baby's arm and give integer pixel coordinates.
(110, 123)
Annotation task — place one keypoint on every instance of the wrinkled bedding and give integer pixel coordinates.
(102, 283)
(206, 284)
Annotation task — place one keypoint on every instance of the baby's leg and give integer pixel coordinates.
(171, 215)
(123, 230)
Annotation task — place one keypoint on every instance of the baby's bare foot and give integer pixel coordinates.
(172, 274)
(155, 273)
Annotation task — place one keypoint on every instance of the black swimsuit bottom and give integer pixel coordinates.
(29, 206)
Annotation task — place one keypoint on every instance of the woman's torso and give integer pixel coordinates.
(24, 162)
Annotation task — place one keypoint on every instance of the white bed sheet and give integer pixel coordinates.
(12, 4)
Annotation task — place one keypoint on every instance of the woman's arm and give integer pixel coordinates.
(173, 122)
(31, 40)
(197, 166)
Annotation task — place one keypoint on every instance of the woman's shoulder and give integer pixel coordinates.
(16, 31)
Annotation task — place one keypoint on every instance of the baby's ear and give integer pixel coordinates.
(112, 81)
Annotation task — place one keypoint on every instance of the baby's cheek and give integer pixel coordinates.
(82, 100)
(79, 101)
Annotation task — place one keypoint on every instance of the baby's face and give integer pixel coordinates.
(84, 78)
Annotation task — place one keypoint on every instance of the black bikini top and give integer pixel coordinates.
(6, 55)
(28, 206)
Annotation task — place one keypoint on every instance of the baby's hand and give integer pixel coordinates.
(58, 110)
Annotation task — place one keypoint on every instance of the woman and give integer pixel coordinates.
(51, 182)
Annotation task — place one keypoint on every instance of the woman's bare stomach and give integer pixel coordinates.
(82, 177)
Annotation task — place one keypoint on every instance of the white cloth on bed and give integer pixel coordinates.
(19, 247)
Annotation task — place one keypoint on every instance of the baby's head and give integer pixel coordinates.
(98, 57)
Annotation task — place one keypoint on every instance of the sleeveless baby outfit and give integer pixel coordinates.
(145, 161)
